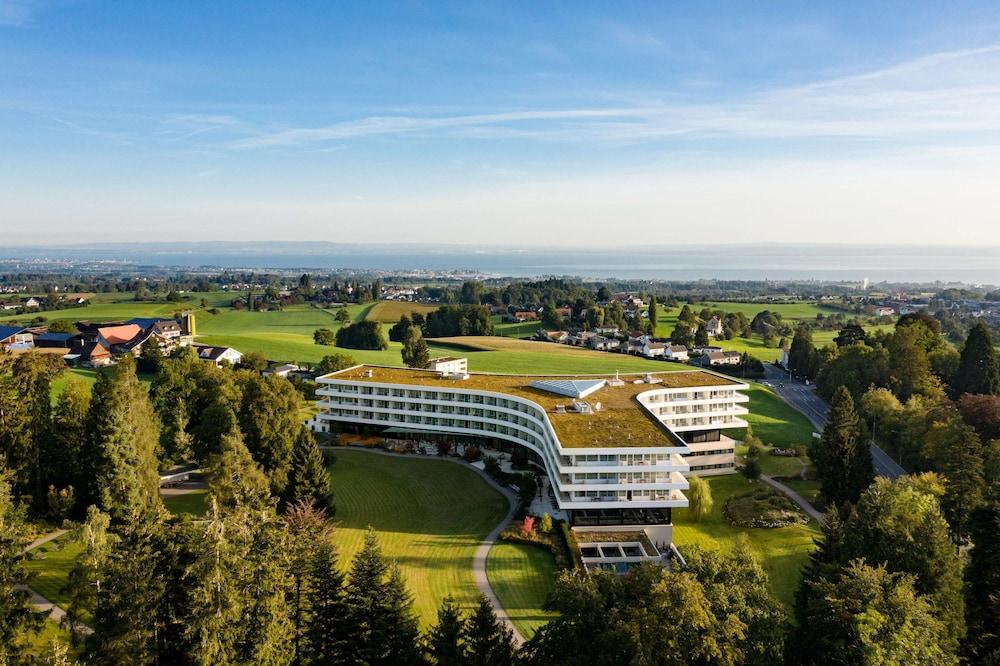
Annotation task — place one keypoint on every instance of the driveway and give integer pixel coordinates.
(804, 399)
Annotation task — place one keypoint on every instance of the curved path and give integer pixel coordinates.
(483, 550)
(40, 603)
(795, 497)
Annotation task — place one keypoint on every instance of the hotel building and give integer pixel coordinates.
(615, 448)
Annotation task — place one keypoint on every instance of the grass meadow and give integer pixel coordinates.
(522, 577)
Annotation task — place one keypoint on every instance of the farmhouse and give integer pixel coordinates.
(714, 326)
(615, 449)
(218, 355)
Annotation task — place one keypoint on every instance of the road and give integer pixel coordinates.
(803, 398)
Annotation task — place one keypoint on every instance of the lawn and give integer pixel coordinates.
(782, 551)
(39, 645)
(773, 420)
(193, 503)
(112, 307)
(51, 563)
(522, 577)
(430, 516)
(389, 312)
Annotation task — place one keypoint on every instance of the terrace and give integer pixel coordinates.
(615, 417)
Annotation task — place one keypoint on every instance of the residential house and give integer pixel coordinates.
(217, 355)
(15, 337)
(722, 358)
(525, 315)
(652, 349)
(609, 331)
(551, 336)
(281, 370)
(31, 302)
(565, 313)
(580, 338)
(708, 349)
(675, 353)
(601, 343)
(884, 311)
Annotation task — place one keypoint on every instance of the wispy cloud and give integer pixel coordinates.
(933, 96)
(19, 13)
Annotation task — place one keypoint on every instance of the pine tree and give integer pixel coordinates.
(983, 585)
(957, 454)
(842, 459)
(653, 313)
(445, 643)
(308, 479)
(978, 366)
(269, 419)
(305, 528)
(34, 373)
(16, 616)
(327, 631)
(487, 640)
(65, 445)
(401, 628)
(415, 353)
(234, 478)
(119, 460)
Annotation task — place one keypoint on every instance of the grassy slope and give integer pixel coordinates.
(782, 551)
(51, 565)
(430, 516)
(773, 420)
(522, 577)
(389, 312)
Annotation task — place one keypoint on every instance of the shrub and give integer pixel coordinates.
(762, 507)
(528, 524)
(751, 469)
(443, 448)
(571, 545)
(472, 453)
(324, 336)
(545, 524)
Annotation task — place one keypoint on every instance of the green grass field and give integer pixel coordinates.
(389, 312)
(51, 563)
(522, 577)
(773, 420)
(782, 551)
(193, 503)
(430, 516)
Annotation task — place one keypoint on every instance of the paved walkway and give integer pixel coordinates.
(795, 497)
(483, 550)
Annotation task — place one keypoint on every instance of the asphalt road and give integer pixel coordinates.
(804, 399)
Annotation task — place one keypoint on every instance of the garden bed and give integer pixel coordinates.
(762, 507)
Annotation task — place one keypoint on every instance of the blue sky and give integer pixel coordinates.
(582, 124)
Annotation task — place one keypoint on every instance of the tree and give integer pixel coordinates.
(306, 529)
(487, 641)
(379, 610)
(335, 363)
(869, 615)
(652, 312)
(982, 412)
(751, 469)
(802, 357)
(84, 582)
(978, 368)
(550, 316)
(701, 336)
(445, 644)
(681, 335)
(65, 444)
(324, 336)
(308, 480)
(119, 457)
(342, 316)
(150, 356)
(234, 479)
(699, 498)
(362, 335)
(472, 292)
(327, 633)
(398, 330)
(910, 364)
(858, 367)
(16, 616)
(255, 361)
(269, 419)
(851, 334)
(415, 353)
(956, 453)
(983, 584)
(26, 422)
(842, 459)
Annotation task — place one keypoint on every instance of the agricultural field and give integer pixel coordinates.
(389, 312)
(782, 551)
(448, 512)
(522, 576)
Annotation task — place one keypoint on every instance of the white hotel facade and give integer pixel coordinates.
(615, 450)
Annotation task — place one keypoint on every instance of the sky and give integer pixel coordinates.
(549, 124)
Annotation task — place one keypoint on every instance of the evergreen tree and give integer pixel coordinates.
(653, 314)
(802, 357)
(415, 353)
(33, 373)
(983, 585)
(327, 632)
(308, 479)
(119, 460)
(16, 617)
(401, 628)
(269, 419)
(234, 479)
(978, 366)
(957, 454)
(150, 357)
(487, 640)
(306, 528)
(842, 459)
(445, 644)
(65, 446)
(701, 336)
